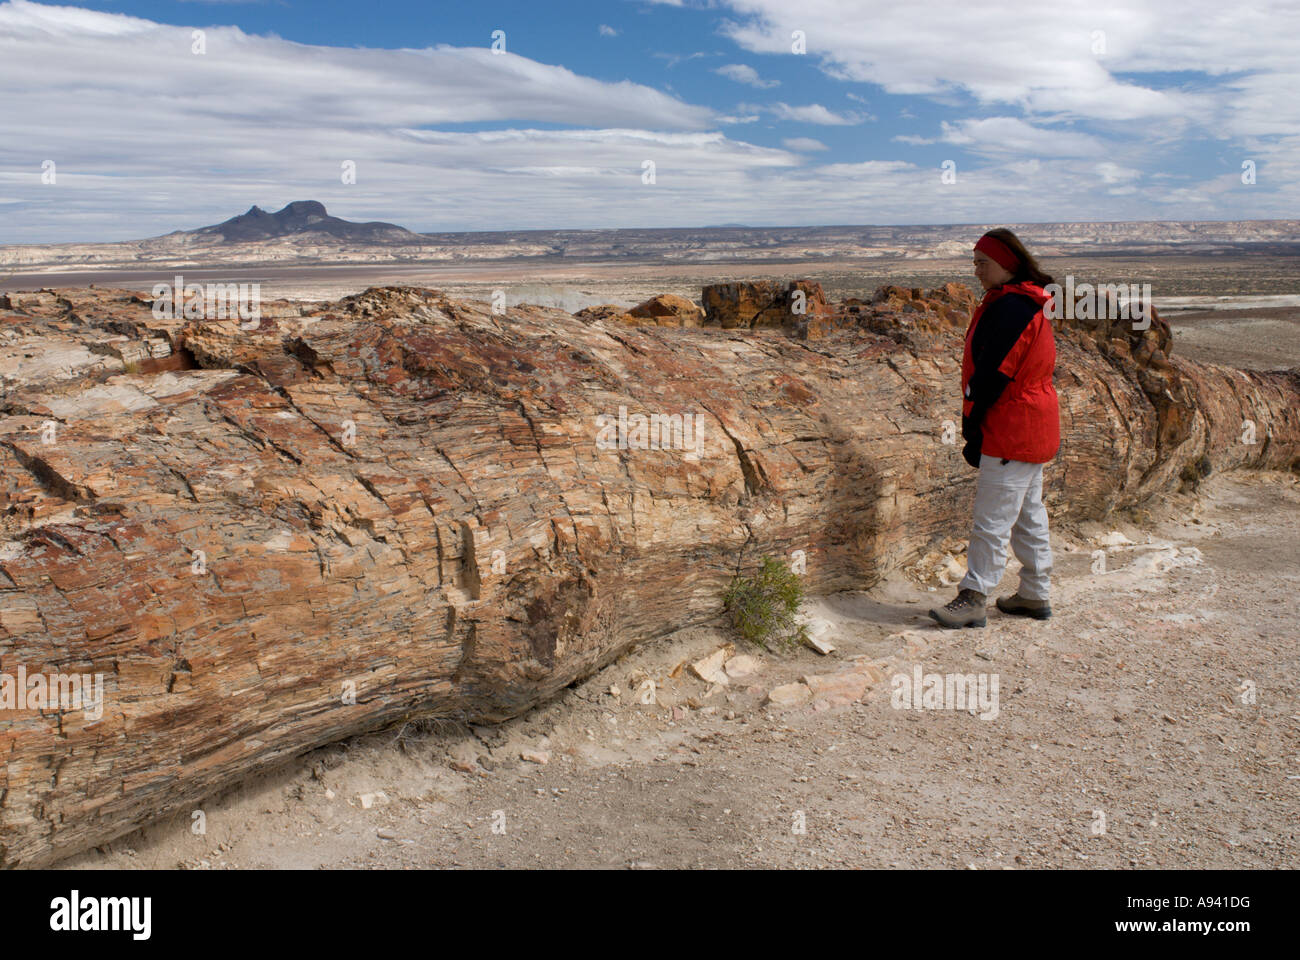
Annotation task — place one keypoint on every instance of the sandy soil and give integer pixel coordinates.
(1162, 696)
(1257, 339)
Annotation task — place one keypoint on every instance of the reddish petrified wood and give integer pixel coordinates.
(406, 505)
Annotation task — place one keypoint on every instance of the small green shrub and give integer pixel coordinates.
(1193, 473)
(763, 607)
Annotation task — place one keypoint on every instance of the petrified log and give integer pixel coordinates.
(405, 505)
(762, 303)
(609, 311)
(668, 310)
(664, 310)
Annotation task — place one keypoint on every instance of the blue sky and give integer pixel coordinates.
(1043, 111)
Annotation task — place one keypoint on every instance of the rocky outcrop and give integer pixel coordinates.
(405, 505)
(762, 303)
(668, 310)
(611, 312)
(946, 308)
(664, 310)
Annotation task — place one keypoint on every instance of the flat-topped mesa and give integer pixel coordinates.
(401, 504)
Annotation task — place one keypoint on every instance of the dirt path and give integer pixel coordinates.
(1132, 704)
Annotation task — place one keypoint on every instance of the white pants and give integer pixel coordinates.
(1009, 500)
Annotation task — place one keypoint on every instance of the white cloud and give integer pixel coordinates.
(809, 113)
(676, 58)
(994, 136)
(136, 122)
(803, 144)
(1114, 173)
(607, 31)
(1040, 57)
(33, 18)
(149, 138)
(743, 73)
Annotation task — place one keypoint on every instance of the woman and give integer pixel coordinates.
(1011, 423)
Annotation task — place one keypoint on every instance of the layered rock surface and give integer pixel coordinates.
(404, 505)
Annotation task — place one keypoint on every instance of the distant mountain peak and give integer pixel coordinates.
(305, 208)
(301, 217)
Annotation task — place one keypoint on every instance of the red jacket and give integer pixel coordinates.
(1008, 400)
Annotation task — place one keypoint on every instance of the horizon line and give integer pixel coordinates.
(788, 226)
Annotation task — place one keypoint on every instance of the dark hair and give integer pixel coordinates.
(1028, 268)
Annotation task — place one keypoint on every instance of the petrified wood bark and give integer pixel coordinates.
(668, 310)
(412, 499)
(761, 303)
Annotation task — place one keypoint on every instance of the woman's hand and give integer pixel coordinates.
(971, 452)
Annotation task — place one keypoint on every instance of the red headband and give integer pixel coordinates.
(998, 251)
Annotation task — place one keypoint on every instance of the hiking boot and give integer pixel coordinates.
(967, 610)
(1021, 607)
